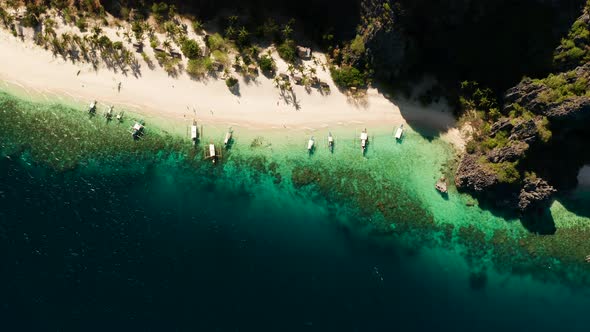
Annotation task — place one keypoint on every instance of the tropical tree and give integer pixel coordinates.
(243, 37)
(191, 49)
(167, 45)
(287, 31)
(96, 30)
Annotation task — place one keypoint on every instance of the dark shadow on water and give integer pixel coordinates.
(577, 202)
(478, 280)
(539, 221)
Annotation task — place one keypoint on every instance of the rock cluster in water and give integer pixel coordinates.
(555, 161)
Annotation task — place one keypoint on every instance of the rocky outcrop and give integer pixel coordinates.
(535, 193)
(472, 176)
(510, 153)
(569, 104)
(386, 45)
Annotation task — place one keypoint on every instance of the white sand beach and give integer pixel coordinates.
(258, 104)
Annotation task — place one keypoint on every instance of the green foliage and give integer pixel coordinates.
(506, 172)
(137, 29)
(81, 24)
(563, 87)
(32, 15)
(197, 26)
(471, 147)
(221, 57)
(191, 49)
(288, 51)
(267, 64)
(105, 42)
(574, 48)
(348, 76)
(545, 133)
(216, 42)
(160, 11)
(270, 30)
(498, 141)
(243, 37)
(357, 46)
(231, 82)
(199, 67)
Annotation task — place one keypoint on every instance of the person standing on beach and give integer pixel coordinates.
(119, 87)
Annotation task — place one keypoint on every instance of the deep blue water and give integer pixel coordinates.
(168, 248)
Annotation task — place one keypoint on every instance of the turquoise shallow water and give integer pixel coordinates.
(96, 230)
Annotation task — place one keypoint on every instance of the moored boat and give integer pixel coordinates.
(310, 144)
(137, 130)
(364, 139)
(399, 132)
(228, 137)
(330, 142)
(92, 108)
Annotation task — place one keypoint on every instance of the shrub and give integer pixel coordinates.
(231, 82)
(199, 67)
(506, 172)
(545, 133)
(358, 45)
(267, 64)
(198, 26)
(220, 57)
(471, 147)
(81, 24)
(216, 42)
(191, 49)
(287, 51)
(348, 76)
(160, 11)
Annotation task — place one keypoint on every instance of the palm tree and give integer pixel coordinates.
(277, 81)
(287, 31)
(229, 32)
(167, 45)
(291, 69)
(127, 36)
(66, 38)
(96, 30)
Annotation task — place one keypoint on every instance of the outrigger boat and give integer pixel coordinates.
(137, 130)
(228, 137)
(310, 144)
(212, 153)
(364, 140)
(194, 132)
(92, 108)
(399, 132)
(330, 142)
(120, 117)
(109, 114)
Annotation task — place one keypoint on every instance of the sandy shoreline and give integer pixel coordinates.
(258, 106)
